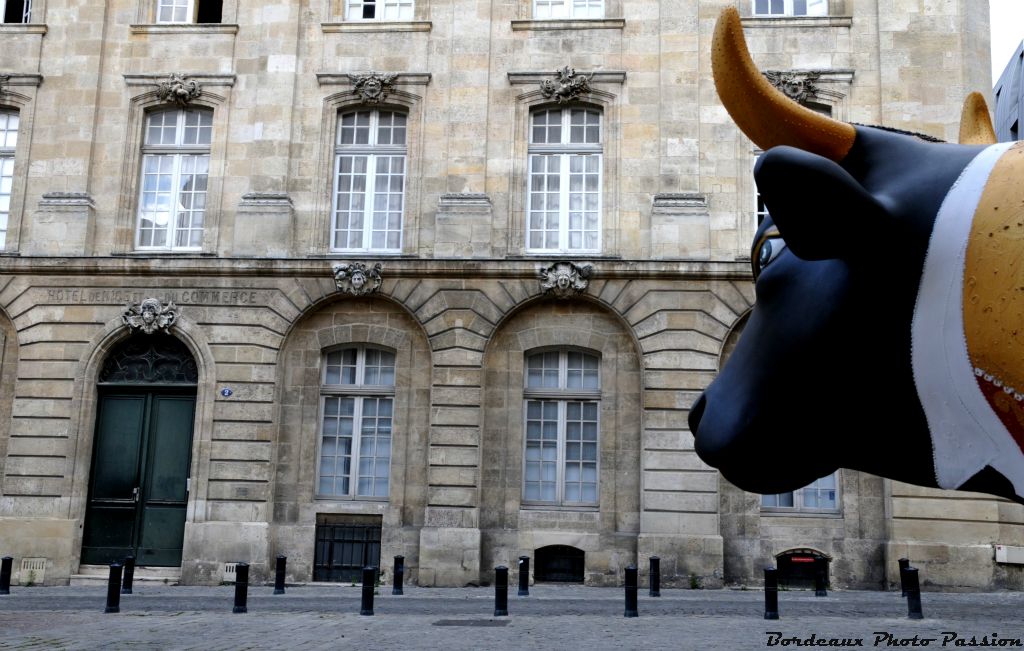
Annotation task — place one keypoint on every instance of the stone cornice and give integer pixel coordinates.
(23, 28)
(205, 79)
(183, 28)
(535, 77)
(354, 27)
(571, 24)
(191, 265)
(797, 21)
(19, 79)
(345, 79)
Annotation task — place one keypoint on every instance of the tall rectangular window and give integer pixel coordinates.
(379, 10)
(16, 11)
(821, 495)
(189, 11)
(369, 182)
(358, 396)
(564, 197)
(543, 9)
(8, 143)
(175, 174)
(562, 400)
(790, 7)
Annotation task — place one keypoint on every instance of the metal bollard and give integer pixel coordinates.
(399, 575)
(820, 581)
(655, 577)
(913, 594)
(279, 569)
(114, 589)
(129, 574)
(241, 588)
(369, 578)
(631, 584)
(771, 593)
(501, 591)
(524, 576)
(5, 574)
(904, 565)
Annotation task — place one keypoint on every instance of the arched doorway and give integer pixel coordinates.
(138, 484)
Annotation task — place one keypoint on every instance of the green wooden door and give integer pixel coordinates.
(138, 486)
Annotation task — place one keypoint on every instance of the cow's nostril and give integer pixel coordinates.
(696, 412)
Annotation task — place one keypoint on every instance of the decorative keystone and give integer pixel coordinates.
(565, 279)
(179, 90)
(374, 87)
(567, 85)
(357, 278)
(797, 86)
(150, 315)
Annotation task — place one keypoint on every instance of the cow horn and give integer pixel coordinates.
(761, 111)
(975, 123)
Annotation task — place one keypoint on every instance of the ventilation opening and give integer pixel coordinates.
(209, 11)
(33, 571)
(798, 567)
(559, 563)
(345, 544)
(18, 11)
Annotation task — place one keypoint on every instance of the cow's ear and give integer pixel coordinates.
(815, 203)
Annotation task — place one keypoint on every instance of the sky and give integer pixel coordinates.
(1007, 32)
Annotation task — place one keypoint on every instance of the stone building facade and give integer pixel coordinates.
(441, 278)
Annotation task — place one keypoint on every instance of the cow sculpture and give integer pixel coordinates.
(886, 335)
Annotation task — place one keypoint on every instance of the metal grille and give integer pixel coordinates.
(155, 358)
(344, 549)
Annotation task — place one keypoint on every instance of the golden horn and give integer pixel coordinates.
(761, 111)
(975, 123)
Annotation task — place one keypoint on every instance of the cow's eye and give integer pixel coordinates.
(770, 249)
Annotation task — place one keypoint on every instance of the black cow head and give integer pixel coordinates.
(822, 377)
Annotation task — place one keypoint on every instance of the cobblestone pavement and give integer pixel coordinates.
(552, 617)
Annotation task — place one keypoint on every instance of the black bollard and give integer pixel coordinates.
(129, 575)
(771, 593)
(369, 578)
(114, 589)
(820, 580)
(913, 594)
(655, 577)
(631, 586)
(282, 561)
(241, 588)
(501, 591)
(904, 565)
(5, 574)
(524, 576)
(399, 575)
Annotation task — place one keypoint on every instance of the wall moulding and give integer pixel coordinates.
(537, 77)
(348, 79)
(203, 79)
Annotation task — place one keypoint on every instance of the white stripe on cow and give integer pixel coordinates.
(966, 433)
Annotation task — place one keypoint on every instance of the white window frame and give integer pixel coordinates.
(406, 10)
(562, 396)
(179, 153)
(372, 151)
(770, 502)
(789, 6)
(568, 9)
(26, 12)
(565, 151)
(358, 392)
(190, 11)
(7, 154)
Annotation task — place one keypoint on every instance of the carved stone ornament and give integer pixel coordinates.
(357, 278)
(797, 86)
(150, 316)
(178, 90)
(568, 86)
(4, 80)
(565, 279)
(374, 87)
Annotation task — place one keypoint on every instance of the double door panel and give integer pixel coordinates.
(139, 482)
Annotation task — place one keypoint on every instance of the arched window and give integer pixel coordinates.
(357, 408)
(369, 181)
(564, 196)
(562, 405)
(8, 142)
(175, 174)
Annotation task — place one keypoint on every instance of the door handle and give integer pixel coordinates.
(135, 494)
